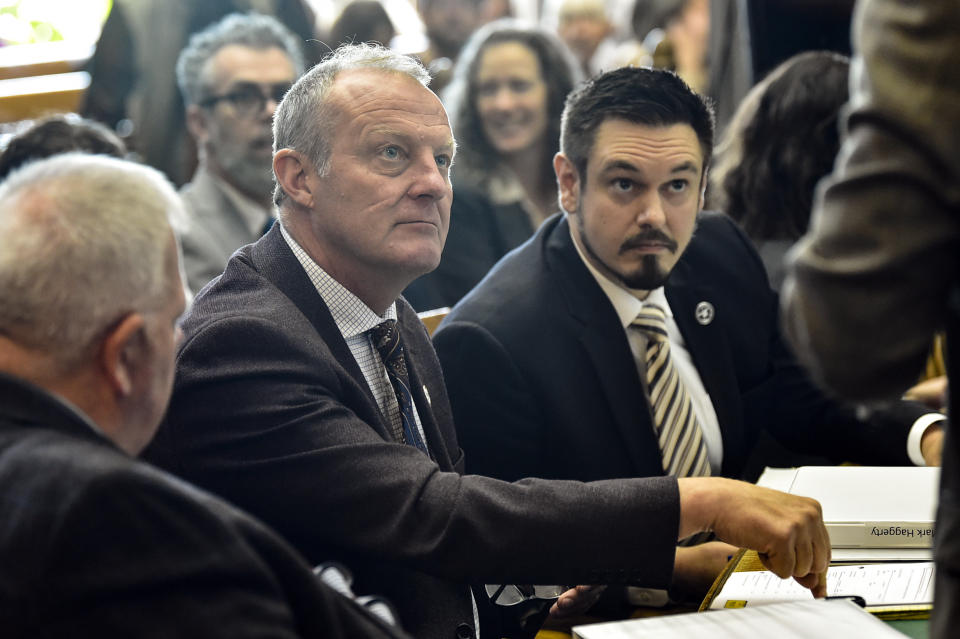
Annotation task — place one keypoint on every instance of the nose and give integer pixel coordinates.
(651, 212)
(270, 107)
(430, 181)
(504, 99)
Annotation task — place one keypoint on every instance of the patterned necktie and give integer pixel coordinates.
(682, 448)
(386, 339)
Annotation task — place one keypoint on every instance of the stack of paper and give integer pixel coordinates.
(884, 588)
(871, 513)
(811, 619)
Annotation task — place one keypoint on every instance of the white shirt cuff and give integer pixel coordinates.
(916, 434)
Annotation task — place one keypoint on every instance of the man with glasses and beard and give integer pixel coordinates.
(232, 76)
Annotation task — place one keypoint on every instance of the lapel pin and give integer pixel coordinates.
(704, 313)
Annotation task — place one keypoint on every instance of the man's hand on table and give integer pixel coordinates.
(787, 531)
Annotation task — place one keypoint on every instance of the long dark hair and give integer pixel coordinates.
(782, 140)
(476, 157)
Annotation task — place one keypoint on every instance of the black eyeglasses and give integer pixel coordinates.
(249, 99)
(511, 595)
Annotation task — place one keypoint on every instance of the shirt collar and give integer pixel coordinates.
(625, 301)
(350, 314)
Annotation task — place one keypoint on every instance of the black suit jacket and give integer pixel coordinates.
(543, 382)
(271, 410)
(481, 232)
(96, 544)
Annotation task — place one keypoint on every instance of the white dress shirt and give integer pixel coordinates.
(627, 305)
(355, 319)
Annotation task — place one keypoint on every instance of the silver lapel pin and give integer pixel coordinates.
(704, 313)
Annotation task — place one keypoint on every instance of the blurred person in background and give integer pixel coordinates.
(782, 140)
(362, 21)
(448, 25)
(232, 76)
(59, 134)
(505, 104)
(133, 85)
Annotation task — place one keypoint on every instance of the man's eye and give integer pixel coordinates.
(677, 186)
(622, 184)
(520, 86)
(443, 161)
(391, 152)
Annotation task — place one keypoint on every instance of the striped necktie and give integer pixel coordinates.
(386, 339)
(682, 449)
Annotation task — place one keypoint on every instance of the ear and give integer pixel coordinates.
(197, 123)
(121, 352)
(293, 173)
(568, 182)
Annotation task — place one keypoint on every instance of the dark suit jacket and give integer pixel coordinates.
(543, 382)
(96, 544)
(271, 410)
(481, 232)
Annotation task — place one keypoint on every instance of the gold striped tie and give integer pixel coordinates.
(682, 449)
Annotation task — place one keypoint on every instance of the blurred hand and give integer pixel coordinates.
(575, 602)
(932, 392)
(787, 531)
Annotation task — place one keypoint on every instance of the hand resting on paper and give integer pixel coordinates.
(786, 530)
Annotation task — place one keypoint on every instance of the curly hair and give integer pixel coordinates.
(476, 157)
(782, 140)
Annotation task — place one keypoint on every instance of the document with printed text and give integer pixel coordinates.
(880, 585)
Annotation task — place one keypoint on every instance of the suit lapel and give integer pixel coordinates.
(437, 444)
(709, 350)
(605, 342)
(273, 258)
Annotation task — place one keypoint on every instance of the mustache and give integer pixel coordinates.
(652, 236)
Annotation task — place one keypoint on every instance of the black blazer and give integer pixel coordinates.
(270, 410)
(96, 544)
(481, 232)
(543, 382)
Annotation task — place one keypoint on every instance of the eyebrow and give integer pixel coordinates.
(449, 145)
(627, 166)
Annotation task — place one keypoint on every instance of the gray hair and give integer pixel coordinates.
(86, 239)
(304, 119)
(252, 30)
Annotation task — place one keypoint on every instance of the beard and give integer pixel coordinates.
(247, 172)
(650, 274)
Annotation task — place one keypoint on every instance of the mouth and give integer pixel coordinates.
(420, 224)
(653, 244)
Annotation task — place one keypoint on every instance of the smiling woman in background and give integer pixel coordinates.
(504, 103)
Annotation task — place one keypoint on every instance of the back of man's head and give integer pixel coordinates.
(650, 97)
(86, 240)
(255, 31)
(59, 134)
(305, 120)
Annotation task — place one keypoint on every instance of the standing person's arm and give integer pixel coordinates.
(869, 285)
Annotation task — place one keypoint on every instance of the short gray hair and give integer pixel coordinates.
(252, 30)
(304, 119)
(86, 239)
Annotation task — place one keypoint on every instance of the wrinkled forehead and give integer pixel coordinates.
(368, 94)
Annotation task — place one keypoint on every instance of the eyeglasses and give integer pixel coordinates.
(511, 595)
(249, 99)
